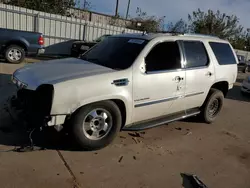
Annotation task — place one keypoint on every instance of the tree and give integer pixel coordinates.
(241, 42)
(147, 23)
(87, 5)
(215, 23)
(179, 27)
(83, 4)
(50, 6)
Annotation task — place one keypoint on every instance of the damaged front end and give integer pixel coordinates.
(32, 107)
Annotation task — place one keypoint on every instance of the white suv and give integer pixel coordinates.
(129, 82)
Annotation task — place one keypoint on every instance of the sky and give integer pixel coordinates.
(177, 9)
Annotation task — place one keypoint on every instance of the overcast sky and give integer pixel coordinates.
(176, 9)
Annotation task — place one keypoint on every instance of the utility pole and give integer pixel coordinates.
(84, 4)
(116, 9)
(128, 9)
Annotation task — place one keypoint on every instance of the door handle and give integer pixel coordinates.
(209, 74)
(178, 78)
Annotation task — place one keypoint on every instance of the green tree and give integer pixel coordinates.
(50, 6)
(215, 23)
(241, 42)
(84, 5)
(147, 23)
(179, 27)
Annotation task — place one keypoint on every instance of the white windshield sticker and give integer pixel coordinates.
(136, 41)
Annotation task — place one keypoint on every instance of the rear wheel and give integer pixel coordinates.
(14, 54)
(96, 125)
(212, 105)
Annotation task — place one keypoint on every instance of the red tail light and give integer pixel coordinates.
(41, 40)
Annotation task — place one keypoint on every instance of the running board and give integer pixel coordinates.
(162, 120)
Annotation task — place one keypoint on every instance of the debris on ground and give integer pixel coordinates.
(136, 140)
(149, 147)
(134, 157)
(192, 181)
(120, 160)
(178, 128)
(81, 172)
(136, 134)
(123, 137)
(188, 133)
(170, 152)
(230, 134)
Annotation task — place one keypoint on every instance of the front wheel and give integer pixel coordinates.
(96, 125)
(212, 105)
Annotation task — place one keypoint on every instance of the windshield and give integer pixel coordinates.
(115, 52)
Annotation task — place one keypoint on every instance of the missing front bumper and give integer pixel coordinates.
(32, 107)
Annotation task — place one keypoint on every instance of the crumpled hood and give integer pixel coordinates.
(55, 71)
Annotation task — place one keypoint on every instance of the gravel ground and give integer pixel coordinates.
(218, 153)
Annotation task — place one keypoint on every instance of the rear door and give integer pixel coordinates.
(200, 74)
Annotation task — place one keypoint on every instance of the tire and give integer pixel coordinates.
(214, 100)
(14, 54)
(86, 123)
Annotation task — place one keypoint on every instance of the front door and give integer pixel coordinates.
(157, 89)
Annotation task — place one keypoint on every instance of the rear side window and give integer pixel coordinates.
(223, 53)
(196, 54)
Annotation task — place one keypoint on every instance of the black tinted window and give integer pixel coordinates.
(223, 53)
(164, 56)
(196, 54)
(115, 52)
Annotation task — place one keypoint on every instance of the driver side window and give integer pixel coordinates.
(163, 56)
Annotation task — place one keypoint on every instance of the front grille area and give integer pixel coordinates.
(37, 104)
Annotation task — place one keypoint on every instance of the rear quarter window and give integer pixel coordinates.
(223, 53)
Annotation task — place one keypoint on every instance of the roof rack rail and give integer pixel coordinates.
(171, 32)
(200, 35)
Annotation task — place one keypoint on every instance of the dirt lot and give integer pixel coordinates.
(219, 153)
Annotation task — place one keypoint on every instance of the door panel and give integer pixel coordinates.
(157, 90)
(156, 94)
(198, 83)
(200, 73)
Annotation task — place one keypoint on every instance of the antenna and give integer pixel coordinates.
(144, 33)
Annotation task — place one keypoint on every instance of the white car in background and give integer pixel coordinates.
(245, 88)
